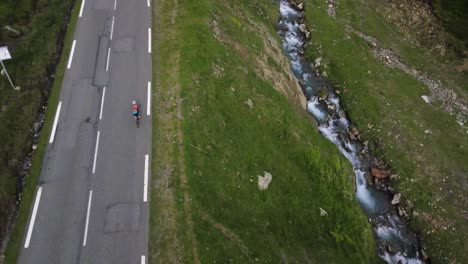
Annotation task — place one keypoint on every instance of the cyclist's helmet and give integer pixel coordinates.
(133, 102)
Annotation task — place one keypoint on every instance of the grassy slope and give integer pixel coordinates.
(453, 15)
(36, 49)
(16, 238)
(209, 146)
(432, 167)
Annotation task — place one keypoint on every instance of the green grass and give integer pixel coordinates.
(28, 194)
(226, 145)
(432, 167)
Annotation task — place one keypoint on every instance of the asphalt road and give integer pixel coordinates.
(91, 200)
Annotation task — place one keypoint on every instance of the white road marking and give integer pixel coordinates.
(33, 217)
(87, 218)
(54, 127)
(149, 40)
(115, 4)
(145, 184)
(102, 102)
(96, 151)
(112, 28)
(70, 59)
(148, 3)
(148, 107)
(143, 259)
(82, 7)
(107, 63)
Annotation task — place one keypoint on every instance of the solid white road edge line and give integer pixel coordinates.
(112, 27)
(33, 217)
(148, 107)
(149, 40)
(102, 102)
(96, 151)
(87, 218)
(115, 4)
(145, 184)
(54, 127)
(70, 59)
(143, 259)
(82, 6)
(107, 63)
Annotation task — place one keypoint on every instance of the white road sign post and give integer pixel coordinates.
(5, 55)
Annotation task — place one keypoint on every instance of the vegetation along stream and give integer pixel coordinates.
(396, 242)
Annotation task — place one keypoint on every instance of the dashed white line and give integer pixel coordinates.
(96, 151)
(148, 107)
(112, 28)
(70, 59)
(87, 218)
(107, 63)
(82, 7)
(33, 217)
(115, 4)
(148, 3)
(145, 184)
(54, 127)
(143, 259)
(102, 101)
(149, 40)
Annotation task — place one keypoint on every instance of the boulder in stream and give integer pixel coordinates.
(379, 174)
(396, 198)
(303, 28)
(300, 6)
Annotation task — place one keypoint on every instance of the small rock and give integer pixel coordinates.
(307, 35)
(368, 178)
(425, 98)
(302, 28)
(264, 181)
(379, 174)
(34, 147)
(300, 6)
(394, 177)
(415, 214)
(324, 74)
(402, 212)
(317, 65)
(354, 131)
(396, 198)
(323, 212)
(249, 103)
(318, 60)
(428, 131)
(351, 136)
